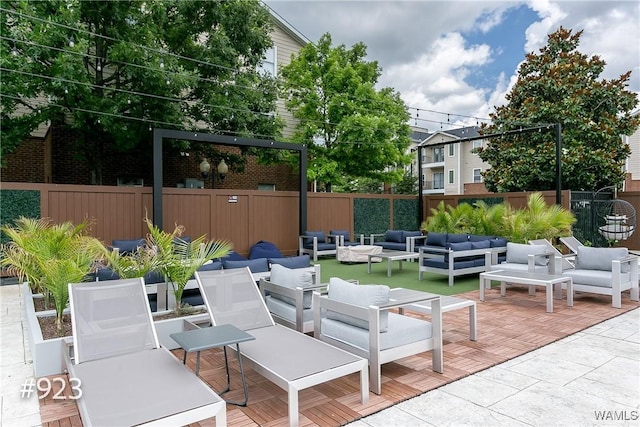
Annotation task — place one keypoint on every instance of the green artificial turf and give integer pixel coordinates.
(407, 278)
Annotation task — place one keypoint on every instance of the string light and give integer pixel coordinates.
(72, 42)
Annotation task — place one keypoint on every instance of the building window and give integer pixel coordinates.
(424, 181)
(424, 157)
(438, 154)
(267, 187)
(476, 144)
(451, 176)
(438, 181)
(477, 176)
(269, 63)
(452, 150)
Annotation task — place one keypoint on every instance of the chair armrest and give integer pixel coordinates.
(411, 242)
(373, 237)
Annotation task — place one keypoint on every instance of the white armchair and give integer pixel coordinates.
(357, 319)
(605, 271)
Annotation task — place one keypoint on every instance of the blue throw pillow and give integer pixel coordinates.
(457, 238)
(105, 273)
(214, 265)
(258, 265)
(462, 246)
(234, 256)
(301, 261)
(394, 236)
(318, 234)
(436, 239)
(478, 238)
(264, 249)
(127, 246)
(483, 244)
(344, 233)
(498, 242)
(406, 234)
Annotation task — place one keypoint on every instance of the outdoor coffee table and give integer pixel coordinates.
(392, 256)
(211, 337)
(449, 303)
(527, 278)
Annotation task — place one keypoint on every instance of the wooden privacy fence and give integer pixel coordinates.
(241, 216)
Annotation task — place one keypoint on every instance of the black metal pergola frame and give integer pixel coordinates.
(160, 135)
(557, 127)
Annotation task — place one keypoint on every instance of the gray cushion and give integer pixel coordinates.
(258, 265)
(291, 278)
(302, 261)
(598, 258)
(518, 253)
(394, 236)
(362, 295)
(403, 330)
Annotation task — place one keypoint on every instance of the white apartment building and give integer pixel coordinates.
(450, 167)
(632, 166)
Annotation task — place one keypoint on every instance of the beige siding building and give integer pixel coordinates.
(287, 41)
(450, 167)
(632, 166)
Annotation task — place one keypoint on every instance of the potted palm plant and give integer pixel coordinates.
(47, 257)
(50, 256)
(178, 259)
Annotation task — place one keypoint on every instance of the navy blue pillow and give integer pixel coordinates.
(498, 242)
(457, 238)
(234, 256)
(394, 236)
(264, 249)
(344, 233)
(462, 246)
(153, 277)
(483, 244)
(478, 238)
(301, 261)
(258, 265)
(105, 273)
(215, 265)
(127, 246)
(318, 234)
(436, 239)
(406, 234)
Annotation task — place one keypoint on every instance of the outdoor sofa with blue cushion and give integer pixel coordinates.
(399, 240)
(315, 244)
(457, 254)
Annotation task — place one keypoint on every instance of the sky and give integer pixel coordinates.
(453, 61)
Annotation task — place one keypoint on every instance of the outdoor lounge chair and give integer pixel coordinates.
(356, 318)
(566, 260)
(291, 360)
(605, 271)
(316, 243)
(571, 243)
(125, 378)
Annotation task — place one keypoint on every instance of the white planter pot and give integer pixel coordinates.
(48, 354)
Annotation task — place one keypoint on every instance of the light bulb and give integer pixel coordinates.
(72, 42)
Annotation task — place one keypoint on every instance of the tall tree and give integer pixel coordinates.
(351, 129)
(114, 70)
(561, 85)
